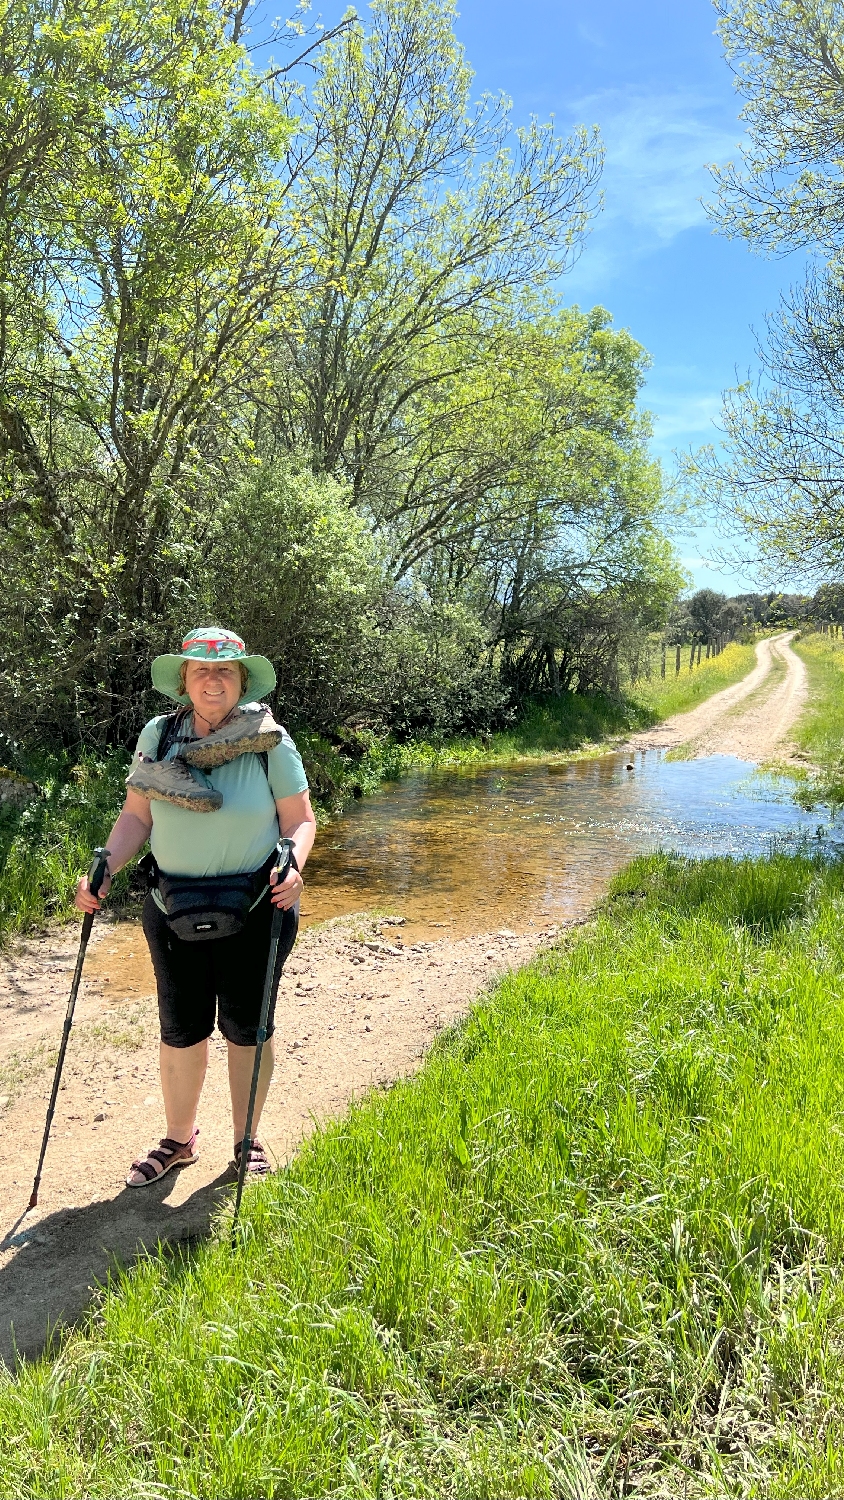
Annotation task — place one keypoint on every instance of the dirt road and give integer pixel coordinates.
(358, 1007)
(751, 720)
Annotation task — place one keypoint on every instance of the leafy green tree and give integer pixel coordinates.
(828, 604)
(422, 213)
(294, 566)
(788, 60)
(778, 482)
(158, 272)
(563, 552)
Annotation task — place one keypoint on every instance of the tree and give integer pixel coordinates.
(149, 276)
(294, 565)
(563, 554)
(422, 214)
(779, 482)
(788, 60)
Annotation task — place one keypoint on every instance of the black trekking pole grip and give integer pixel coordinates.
(96, 876)
(282, 865)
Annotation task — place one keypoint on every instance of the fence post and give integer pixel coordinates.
(677, 667)
(662, 663)
(692, 656)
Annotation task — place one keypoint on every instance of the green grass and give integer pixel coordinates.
(44, 848)
(820, 732)
(593, 1248)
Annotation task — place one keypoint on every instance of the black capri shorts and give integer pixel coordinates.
(221, 980)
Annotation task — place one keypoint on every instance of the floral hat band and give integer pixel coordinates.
(207, 645)
(212, 644)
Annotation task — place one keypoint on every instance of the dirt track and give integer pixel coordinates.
(358, 1006)
(751, 720)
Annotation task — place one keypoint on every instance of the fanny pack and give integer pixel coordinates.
(200, 908)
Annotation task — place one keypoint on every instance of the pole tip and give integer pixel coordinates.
(34, 1199)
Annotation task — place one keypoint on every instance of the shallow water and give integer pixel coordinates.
(532, 844)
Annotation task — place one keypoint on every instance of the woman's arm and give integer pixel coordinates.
(128, 835)
(297, 822)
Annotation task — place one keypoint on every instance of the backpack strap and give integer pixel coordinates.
(170, 731)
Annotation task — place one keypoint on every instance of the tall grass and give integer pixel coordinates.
(820, 731)
(45, 847)
(678, 693)
(593, 1248)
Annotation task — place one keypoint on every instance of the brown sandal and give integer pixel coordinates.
(258, 1163)
(168, 1153)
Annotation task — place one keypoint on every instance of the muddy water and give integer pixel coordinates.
(531, 844)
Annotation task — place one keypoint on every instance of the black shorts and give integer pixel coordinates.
(220, 980)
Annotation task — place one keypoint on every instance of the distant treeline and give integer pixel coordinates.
(711, 617)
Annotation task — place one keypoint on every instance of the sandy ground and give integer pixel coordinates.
(751, 720)
(358, 1006)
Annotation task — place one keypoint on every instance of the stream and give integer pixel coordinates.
(535, 843)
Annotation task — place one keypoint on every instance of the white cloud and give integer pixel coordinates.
(657, 150)
(683, 417)
(589, 35)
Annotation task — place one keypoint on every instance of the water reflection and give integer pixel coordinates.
(531, 844)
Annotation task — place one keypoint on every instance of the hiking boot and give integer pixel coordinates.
(247, 730)
(173, 781)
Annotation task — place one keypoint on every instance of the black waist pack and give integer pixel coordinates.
(197, 908)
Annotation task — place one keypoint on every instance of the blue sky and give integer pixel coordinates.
(653, 77)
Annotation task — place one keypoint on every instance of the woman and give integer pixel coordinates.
(223, 821)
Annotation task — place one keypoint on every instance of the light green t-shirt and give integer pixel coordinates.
(241, 834)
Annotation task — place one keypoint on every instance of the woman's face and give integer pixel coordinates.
(213, 688)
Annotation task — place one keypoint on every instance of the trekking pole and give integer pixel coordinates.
(96, 875)
(280, 869)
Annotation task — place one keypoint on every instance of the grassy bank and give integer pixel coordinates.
(593, 1248)
(820, 732)
(43, 849)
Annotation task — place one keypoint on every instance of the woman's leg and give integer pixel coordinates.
(182, 1076)
(241, 1064)
(186, 1006)
(241, 969)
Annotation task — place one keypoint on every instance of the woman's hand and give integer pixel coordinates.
(286, 892)
(85, 899)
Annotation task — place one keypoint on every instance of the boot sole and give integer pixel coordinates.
(206, 758)
(194, 804)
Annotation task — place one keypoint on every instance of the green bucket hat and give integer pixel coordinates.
(213, 644)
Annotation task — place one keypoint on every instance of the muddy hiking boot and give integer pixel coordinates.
(173, 781)
(246, 731)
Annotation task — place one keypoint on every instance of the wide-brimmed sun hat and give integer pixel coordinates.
(212, 644)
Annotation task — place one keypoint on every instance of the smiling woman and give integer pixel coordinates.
(213, 882)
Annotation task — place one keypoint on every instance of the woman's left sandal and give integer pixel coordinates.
(258, 1163)
(168, 1153)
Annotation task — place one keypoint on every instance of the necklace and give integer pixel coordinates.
(212, 727)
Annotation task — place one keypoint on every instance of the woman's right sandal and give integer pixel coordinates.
(258, 1163)
(168, 1153)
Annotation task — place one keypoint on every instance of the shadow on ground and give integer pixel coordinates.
(60, 1259)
